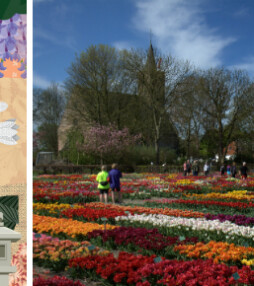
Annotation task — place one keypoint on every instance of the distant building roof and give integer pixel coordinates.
(231, 149)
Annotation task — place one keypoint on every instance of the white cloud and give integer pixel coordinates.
(39, 81)
(242, 13)
(122, 45)
(66, 41)
(179, 28)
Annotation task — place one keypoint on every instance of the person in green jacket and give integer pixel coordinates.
(103, 184)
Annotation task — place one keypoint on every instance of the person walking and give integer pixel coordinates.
(233, 170)
(114, 179)
(228, 170)
(243, 171)
(103, 184)
(195, 168)
(185, 169)
(206, 168)
(222, 170)
(188, 165)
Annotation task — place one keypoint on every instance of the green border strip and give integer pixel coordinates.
(10, 7)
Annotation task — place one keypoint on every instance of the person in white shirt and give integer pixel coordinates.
(206, 168)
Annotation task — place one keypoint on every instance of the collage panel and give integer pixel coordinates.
(13, 141)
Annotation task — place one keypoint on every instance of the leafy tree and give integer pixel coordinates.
(244, 134)
(70, 150)
(48, 109)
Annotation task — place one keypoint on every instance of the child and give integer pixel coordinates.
(228, 170)
(103, 184)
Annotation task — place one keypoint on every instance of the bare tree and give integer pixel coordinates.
(93, 77)
(158, 78)
(187, 116)
(223, 94)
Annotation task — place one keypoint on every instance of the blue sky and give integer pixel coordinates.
(208, 33)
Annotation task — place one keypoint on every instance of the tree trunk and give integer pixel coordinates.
(221, 155)
(157, 151)
(101, 159)
(157, 125)
(188, 148)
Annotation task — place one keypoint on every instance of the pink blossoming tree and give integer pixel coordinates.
(102, 141)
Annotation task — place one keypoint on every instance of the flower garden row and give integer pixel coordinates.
(205, 237)
(77, 188)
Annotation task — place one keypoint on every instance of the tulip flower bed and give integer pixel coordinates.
(206, 206)
(56, 281)
(65, 228)
(148, 241)
(82, 189)
(187, 231)
(237, 219)
(64, 189)
(146, 210)
(218, 251)
(242, 195)
(96, 211)
(129, 269)
(54, 253)
(198, 227)
(78, 212)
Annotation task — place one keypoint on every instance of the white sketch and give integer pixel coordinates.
(8, 129)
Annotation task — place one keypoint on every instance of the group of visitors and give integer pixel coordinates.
(188, 167)
(109, 180)
(232, 170)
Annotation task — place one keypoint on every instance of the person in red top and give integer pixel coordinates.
(185, 169)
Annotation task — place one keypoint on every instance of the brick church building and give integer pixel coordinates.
(131, 111)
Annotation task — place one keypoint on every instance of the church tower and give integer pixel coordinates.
(151, 88)
(151, 83)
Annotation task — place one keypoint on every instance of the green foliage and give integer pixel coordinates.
(9, 208)
(71, 152)
(10, 7)
(48, 107)
(208, 144)
(168, 155)
(137, 155)
(48, 137)
(142, 154)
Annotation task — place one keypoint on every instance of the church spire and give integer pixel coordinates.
(150, 62)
